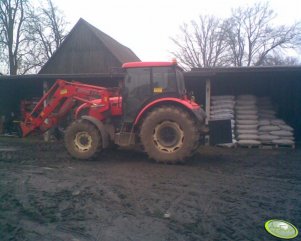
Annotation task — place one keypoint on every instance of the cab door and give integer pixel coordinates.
(136, 90)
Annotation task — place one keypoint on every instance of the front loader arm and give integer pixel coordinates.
(58, 102)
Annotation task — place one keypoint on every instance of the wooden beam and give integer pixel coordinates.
(208, 97)
(45, 89)
(207, 107)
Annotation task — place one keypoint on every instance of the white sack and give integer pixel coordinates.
(269, 128)
(246, 131)
(247, 117)
(268, 137)
(246, 127)
(245, 102)
(250, 107)
(248, 142)
(286, 127)
(283, 142)
(247, 122)
(221, 102)
(247, 112)
(264, 122)
(248, 137)
(277, 122)
(282, 133)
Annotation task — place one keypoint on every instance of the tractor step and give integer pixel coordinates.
(125, 138)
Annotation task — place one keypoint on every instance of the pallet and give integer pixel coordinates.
(260, 146)
(277, 146)
(249, 146)
(228, 145)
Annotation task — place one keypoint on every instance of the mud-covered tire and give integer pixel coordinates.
(169, 134)
(82, 140)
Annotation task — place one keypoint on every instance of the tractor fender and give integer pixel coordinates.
(192, 107)
(100, 126)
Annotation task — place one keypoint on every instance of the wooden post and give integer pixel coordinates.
(208, 97)
(207, 108)
(45, 89)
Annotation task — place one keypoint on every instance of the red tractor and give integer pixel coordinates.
(150, 107)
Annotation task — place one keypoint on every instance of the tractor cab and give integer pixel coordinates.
(148, 81)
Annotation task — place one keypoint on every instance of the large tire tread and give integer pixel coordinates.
(69, 137)
(184, 119)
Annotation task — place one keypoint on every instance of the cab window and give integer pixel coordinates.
(164, 80)
(137, 83)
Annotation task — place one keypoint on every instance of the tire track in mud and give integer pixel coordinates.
(160, 199)
(38, 206)
(58, 208)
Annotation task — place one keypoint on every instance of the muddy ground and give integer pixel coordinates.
(220, 194)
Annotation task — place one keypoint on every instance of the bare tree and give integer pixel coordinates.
(246, 38)
(12, 19)
(49, 27)
(29, 36)
(47, 30)
(235, 40)
(251, 35)
(3, 59)
(202, 44)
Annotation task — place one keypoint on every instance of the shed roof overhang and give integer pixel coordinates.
(194, 73)
(62, 76)
(243, 71)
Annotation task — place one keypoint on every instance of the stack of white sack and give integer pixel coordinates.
(246, 112)
(222, 108)
(273, 130)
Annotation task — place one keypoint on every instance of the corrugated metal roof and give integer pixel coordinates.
(241, 70)
(40, 77)
(202, 72)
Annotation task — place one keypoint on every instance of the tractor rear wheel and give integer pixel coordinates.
(169, 134)
(82, 140)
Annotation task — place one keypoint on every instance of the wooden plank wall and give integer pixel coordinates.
(82, 53)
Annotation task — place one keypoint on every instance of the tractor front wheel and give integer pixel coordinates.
(169, 134)
(82, 140)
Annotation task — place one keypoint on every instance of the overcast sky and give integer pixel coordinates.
(146, 26)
